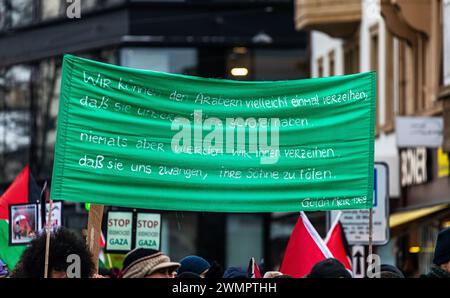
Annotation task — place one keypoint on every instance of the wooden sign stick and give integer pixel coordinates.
(94, 232)
(47, 241)
(370, 231)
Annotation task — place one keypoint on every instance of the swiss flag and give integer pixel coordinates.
(253, 269)
(305, 248)
(337, 243)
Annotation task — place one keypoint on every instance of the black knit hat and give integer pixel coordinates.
(329, 268)
(442, 250)
(392, 270)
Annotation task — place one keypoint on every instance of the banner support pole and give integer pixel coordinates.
(47, 241)
(370, 232)
(94, 232)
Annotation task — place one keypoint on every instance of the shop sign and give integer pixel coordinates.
(443, 164)
(419, 131)
(356, 222)
(413, 166)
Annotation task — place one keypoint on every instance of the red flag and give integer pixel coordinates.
(102, 240)
(253, 269)
(16, 193)
(23, 190)
(337, 243)
(305, 248)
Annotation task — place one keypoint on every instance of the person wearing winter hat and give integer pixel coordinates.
(194, 264)
(329, 268)
(441, 261)
(390, 271)
(235, 272)
(188, 275)
(148, 263)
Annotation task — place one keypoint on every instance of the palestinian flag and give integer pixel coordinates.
(253, 269)
(23, 190)
(336, 242)
(305, 249)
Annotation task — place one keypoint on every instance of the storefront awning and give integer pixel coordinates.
(400, 218)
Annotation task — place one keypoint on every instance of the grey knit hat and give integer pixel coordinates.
(141, 262)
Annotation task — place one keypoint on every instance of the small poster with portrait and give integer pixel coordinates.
(23, 223)
(56, 215)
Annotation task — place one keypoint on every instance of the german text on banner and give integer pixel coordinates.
(162, 141)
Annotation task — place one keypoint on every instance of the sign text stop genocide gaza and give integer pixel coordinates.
(145, 228)
(161, 141)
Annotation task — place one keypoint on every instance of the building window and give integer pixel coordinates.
(15, 93)
(280, 64)
(351, 55)
(320, 67)
(173, 60)
(407, 104)
(331, 63)
(244, 239)
(51, 9)
(179, 234)
(17, 13)
(266, 64)
(374, 66)
(446, 41)
(389, 109)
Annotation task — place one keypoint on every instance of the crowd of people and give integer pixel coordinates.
(149, 263)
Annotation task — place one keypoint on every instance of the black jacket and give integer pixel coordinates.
(436, 272)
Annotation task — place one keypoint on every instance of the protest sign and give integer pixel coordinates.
(23, 225)
(153, 140)
(119, 231)
(148, 230)
(56, 214)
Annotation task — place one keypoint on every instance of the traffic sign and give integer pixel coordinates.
(358, 261)
(356, 222)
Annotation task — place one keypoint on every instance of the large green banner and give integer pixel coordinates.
(162, 141)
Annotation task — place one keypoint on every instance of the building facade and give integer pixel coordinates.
(403, 41)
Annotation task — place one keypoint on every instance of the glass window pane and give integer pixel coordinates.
(179, 60)
(280, 64)
(244, 237)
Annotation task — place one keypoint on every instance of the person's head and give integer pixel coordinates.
(390, 271)
(272, 274)
(106, 273)
(3, 269)
(442, 250)
(63, 243)
(194, 264)
(188, 275)
(215, 271)
(148, 263)
(329, 268)
(283, 276)
(235, 272)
